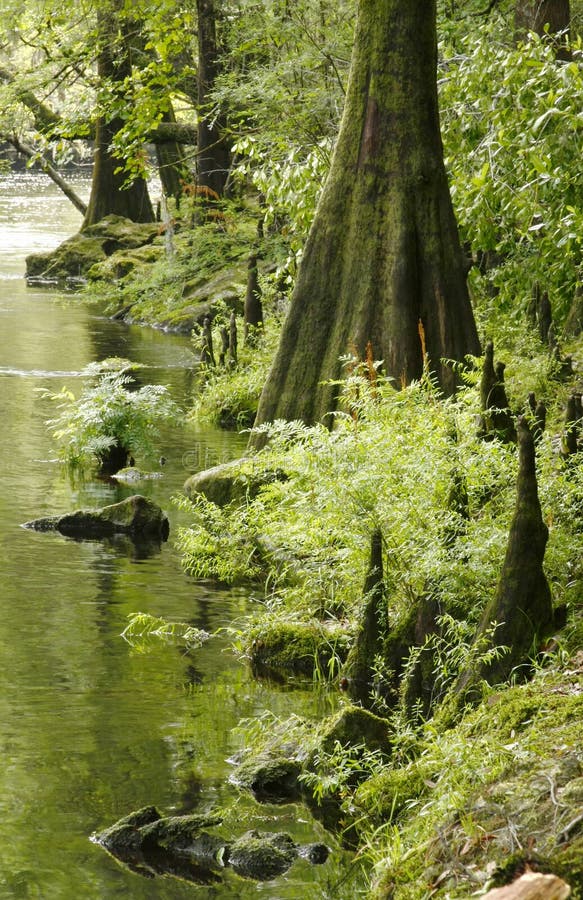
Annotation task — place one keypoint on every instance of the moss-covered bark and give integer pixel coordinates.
(548, 18)
(383, 254)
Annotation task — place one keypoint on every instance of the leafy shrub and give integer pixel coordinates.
(511, 122)
(109, 421)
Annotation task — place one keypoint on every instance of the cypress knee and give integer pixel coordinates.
(496, 418)
(522, 606)
(359, 665)
(253, 306)
(233, 340)
(207, 356)
(571, 435)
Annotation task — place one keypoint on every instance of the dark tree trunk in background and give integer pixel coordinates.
(108, 194)
(522, 606)
(172, 164)
(383, 261)
(536, 15)
(214, 156)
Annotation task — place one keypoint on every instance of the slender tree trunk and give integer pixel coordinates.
(383, 256)
(108, 192)
(213, 152)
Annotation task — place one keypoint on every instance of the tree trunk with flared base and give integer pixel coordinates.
(383, 261)
(109, 194)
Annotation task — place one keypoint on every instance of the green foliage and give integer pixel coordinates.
(471, 786)
(142, 627)
(217, 544)
(229, 397)
(335, 773)
(513, 144)
(108, 414)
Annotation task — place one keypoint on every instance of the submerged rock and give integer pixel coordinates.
(130, 474)
(180, 845)
(262, 856)
(136, 516)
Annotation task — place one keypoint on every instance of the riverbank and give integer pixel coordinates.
(416, 469)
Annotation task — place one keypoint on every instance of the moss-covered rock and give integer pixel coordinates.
(123, 262)
(74, 258)
(353, 726)
(184, 847)
(231, 482)
(262, 856)
(306, 648)
(227, 286)
(175, 833)
(273, 779)
(126, 834)
(136, 516)
(383, 797)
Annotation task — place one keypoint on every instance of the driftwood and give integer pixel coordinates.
(532, 886)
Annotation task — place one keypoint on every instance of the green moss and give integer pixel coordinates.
(270, 777)
(353, 726)
(497, 779)
(566, 862)
(262, 856)
(75, 257)
(310, 648)
(383, 797)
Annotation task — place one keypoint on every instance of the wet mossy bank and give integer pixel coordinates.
(476, 806)
(165, 276)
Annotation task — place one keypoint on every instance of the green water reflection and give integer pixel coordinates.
(91, 728)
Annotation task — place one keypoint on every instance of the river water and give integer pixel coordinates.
(92, 728)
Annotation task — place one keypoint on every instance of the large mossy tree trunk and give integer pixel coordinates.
(383, 257)
(109, 193)
(536, 15)
(522, 606)
(214, 157)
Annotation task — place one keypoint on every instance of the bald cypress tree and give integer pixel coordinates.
(109, 192)
(383, 262)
